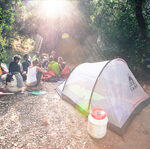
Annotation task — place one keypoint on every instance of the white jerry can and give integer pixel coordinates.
(97, 123)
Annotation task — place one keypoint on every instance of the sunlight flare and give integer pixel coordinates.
(54, 8)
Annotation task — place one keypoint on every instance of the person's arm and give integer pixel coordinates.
(18, 68)
(24, 65)
(63, 65)
(10, 67)
(60, 67)
(40, 70)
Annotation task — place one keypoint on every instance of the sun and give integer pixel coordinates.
(53, 7)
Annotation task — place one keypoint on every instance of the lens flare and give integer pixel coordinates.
(65, 36)
(82, 108)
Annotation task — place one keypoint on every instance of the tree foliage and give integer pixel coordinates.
(6, 21)
(8, 30)
(120, 25)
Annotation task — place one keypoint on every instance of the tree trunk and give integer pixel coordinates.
(140, 18)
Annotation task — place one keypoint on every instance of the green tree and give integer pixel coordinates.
(119, 24)
(7, 26)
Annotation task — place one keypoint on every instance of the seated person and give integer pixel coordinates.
(45, 61)
(4, 68)
(26, 63)
(61, 63)
(14, 69)
(53, 66)
(34, 74)
(54, 55)
(3, 72)
(36, 56)
(64, 69)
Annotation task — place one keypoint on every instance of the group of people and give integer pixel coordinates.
(30, 72)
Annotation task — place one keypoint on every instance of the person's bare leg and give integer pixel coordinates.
(39, 75)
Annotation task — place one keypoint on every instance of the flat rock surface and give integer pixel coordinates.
(48, 122)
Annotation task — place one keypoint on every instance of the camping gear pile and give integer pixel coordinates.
(146, 65)
(3, 73)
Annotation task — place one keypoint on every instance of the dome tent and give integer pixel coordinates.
(109, 85)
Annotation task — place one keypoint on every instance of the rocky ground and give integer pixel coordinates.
(48, 122)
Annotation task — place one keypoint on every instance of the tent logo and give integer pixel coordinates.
(132, 84)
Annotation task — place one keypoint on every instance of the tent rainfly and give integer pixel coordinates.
(109, 85)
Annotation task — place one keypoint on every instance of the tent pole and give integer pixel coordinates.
(96, 82)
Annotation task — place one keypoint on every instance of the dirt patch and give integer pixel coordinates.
(48, 122)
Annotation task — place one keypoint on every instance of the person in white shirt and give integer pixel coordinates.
(34, 74)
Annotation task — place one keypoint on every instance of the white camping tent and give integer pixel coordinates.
(109, 85)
